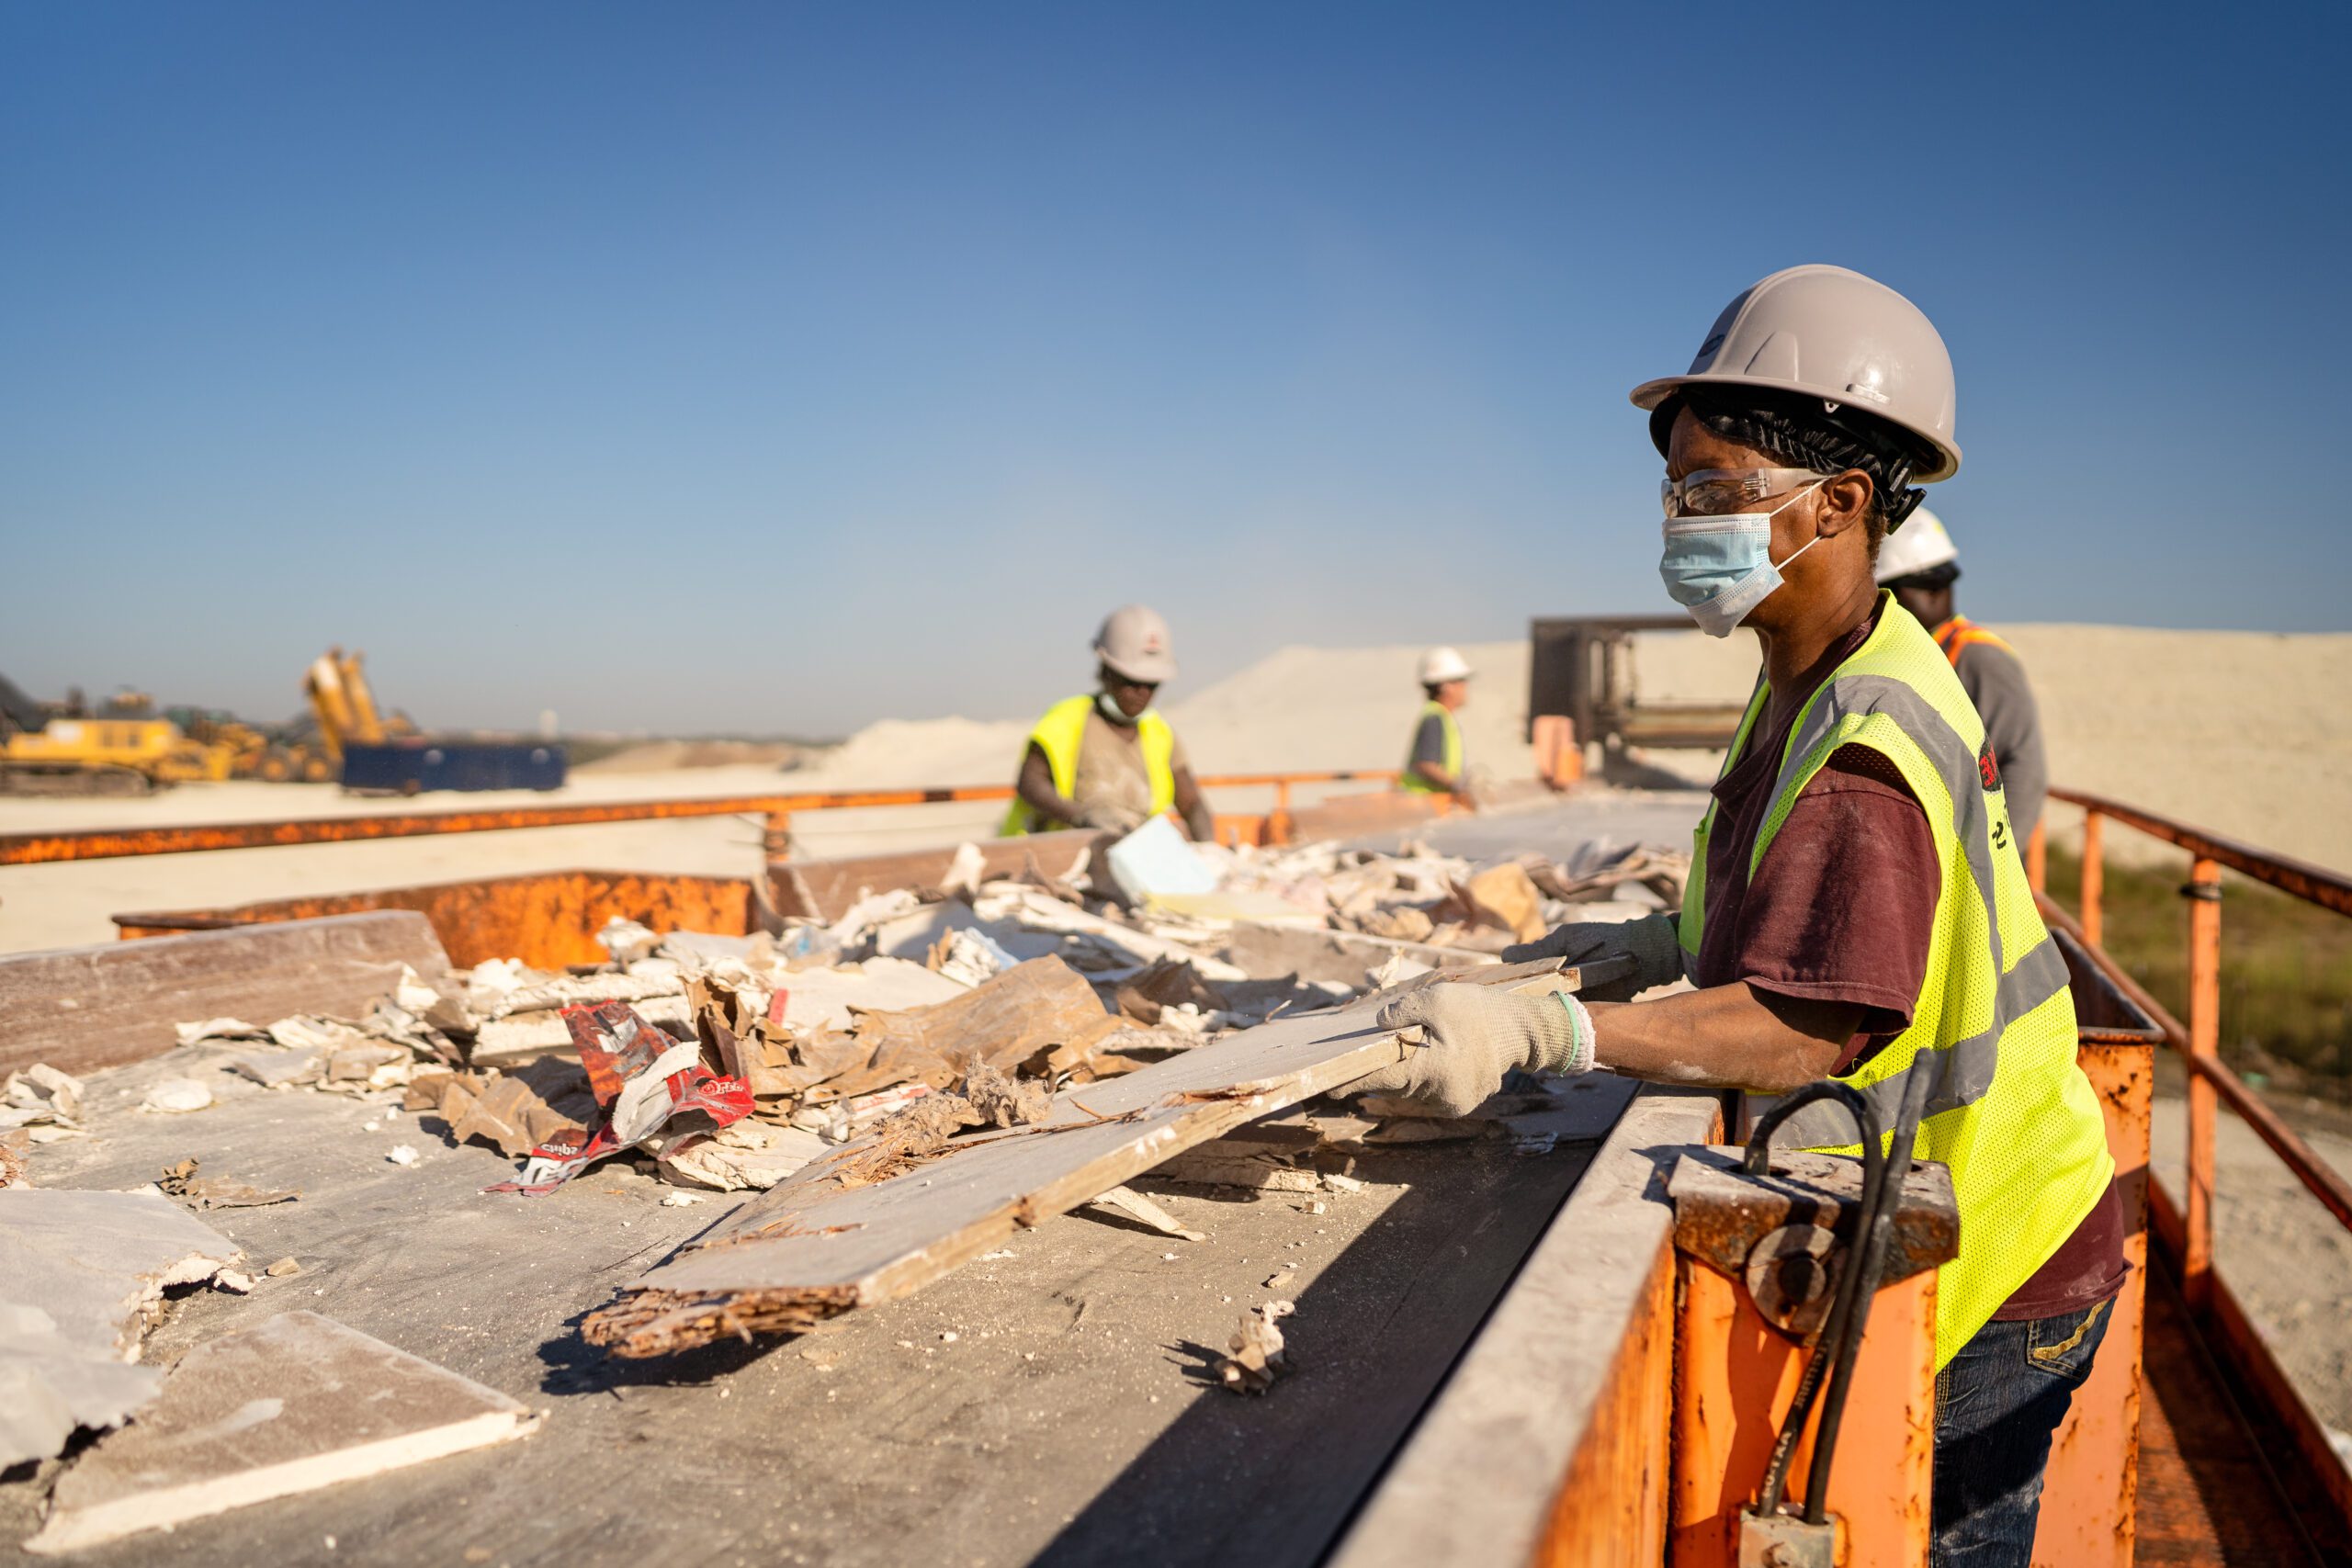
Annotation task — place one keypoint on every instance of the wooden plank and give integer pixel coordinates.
(81, 1008)
(812, 1249)
(823, 889)
(1569, 1380)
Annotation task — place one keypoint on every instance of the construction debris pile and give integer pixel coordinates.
(1177, 1016)
(732, 1062)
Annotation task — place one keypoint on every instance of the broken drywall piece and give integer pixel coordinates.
(1136, 1206)
(81, 1276)
(271, 1068)
(218, 1029)
(176, 1097)
(42, 1087)
(293, 1405)
(1258, 1355)
(743, 1154)
(1158, 859)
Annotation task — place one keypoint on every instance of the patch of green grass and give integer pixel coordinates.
(2286, 967)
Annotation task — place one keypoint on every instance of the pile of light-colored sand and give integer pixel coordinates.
(2247, 733)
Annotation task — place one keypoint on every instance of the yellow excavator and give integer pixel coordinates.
(337, 683)
(123, 749)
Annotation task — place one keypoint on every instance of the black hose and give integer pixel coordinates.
(1867, 1268)
(1760, 1163)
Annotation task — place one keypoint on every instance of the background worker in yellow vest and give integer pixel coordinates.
(1108, 759)
(1918, 566)
(1857, 907)
(1433, 766)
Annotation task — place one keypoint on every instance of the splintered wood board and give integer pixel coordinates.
(81, 1008)
(811, 1248)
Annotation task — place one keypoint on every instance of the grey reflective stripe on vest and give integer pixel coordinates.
(1966, 1065)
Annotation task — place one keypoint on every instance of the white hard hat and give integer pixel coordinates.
(1134, 643)
(1833, 334)
(1441, 664)
(1919, 544)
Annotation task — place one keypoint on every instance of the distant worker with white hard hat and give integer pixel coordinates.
(1107, 759)
(1919, 565)
(1434, 764)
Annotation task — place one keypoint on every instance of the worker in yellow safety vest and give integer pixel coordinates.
(1433, 766)
(1857, 908)
(1918, 566)
(1107, 759)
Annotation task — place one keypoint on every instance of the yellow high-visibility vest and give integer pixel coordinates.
(1412, 782)
(1060, 733)
(2011, 1114)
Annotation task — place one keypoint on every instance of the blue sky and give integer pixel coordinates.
(779, 367)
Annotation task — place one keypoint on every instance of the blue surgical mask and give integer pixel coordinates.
(1720, 569)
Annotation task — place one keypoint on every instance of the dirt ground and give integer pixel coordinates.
(2286, 1260)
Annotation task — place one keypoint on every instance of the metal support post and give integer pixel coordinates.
(2094, 875)
(2204, 895)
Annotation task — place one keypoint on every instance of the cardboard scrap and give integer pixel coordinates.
(295, 1403)
(497, 1108)
(218, 1191)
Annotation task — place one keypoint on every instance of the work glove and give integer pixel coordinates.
(1473, 1035)
(1651, 939)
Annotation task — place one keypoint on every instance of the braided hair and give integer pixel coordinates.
(1804, 433)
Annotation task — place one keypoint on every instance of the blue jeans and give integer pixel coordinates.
(1998, 1404)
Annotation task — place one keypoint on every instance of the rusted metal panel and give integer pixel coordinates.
(823, 889)
(775, 810)
(1736, 1376)
(81, 1008)
(26, 849)
(2091, 1487)
(2304, 880)
(547, 920)
(1353, 815)
(1721, 1213)
(1611, 1509)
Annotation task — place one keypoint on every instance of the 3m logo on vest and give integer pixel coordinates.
(1987, 769)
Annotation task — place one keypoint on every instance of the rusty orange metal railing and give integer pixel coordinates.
(34, 848)
(2187, 1228)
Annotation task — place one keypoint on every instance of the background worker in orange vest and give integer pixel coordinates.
(1919, 563)
(1108, 759)
(1434, 765)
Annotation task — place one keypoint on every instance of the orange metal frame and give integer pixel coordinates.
(2185, 1229)
(33, 849)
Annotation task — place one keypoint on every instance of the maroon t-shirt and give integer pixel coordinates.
(1841, 909)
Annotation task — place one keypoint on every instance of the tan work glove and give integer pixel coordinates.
(1650, 939)
(1474, 1034)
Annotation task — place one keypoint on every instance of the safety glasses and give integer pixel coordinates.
(1714, 492)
